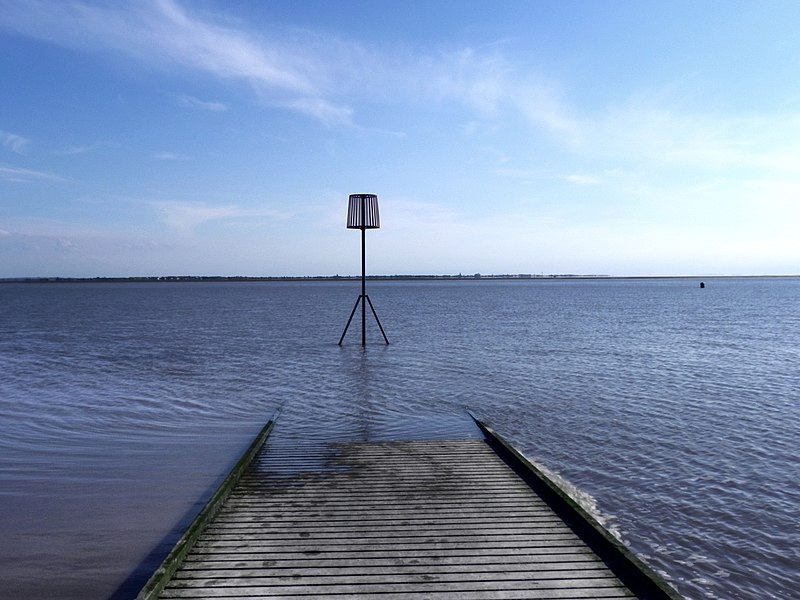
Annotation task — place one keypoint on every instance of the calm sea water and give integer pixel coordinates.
(673, 410)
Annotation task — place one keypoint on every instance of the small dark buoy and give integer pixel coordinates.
(702, 285)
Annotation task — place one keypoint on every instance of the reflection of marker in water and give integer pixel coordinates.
(702, 285)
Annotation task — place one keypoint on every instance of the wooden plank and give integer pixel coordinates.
(428, 584)
(396, 523)
(272, 555)
(278, 517)
(437, 544)
(353, 575)
(475, 590)
(479, 564)
(272, 577)
(587, 594)
(321, 529)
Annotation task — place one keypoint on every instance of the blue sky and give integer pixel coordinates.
(223, 138)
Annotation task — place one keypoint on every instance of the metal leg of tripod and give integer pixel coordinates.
(346, 327)
(377, 320)
(366, 299)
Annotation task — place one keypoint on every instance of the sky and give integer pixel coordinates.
(177, 137)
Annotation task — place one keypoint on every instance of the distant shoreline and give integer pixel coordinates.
(459, 277)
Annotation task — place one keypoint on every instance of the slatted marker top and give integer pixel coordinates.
(432, 519)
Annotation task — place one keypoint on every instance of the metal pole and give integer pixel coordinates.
(363, 272)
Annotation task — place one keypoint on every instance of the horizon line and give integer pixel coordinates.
(395, 277)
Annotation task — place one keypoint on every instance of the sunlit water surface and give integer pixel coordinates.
(673, 409)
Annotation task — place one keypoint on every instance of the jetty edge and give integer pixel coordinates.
(162, 575)
(639, 577)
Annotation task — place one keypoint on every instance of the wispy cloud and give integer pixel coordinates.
(75, 150)
(83, 149)
(158, 31)
(185, 217)
(543, 106)
(12, 141)
(323, 111)
(331, 79)
(320, 76)
(197, 104)
(579, 179)
(668, 138)
(19, 175)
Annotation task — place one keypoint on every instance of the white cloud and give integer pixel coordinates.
(322, 111)
(518, 173)
(196, 103)
(163, 32)
(666, 138)
(542, 106)
(185, 217)
(16, 143)
(75, 150)
(476, 79)
(578, 179)
(309, 73)
(484, 81)
(19, 175)
(416, 215)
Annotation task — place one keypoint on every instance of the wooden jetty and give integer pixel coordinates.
(457, 519)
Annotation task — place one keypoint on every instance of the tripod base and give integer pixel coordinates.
(363, 298)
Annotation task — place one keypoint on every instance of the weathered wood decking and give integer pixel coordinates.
(430, 519)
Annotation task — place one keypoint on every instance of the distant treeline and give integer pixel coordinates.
(211, 278)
